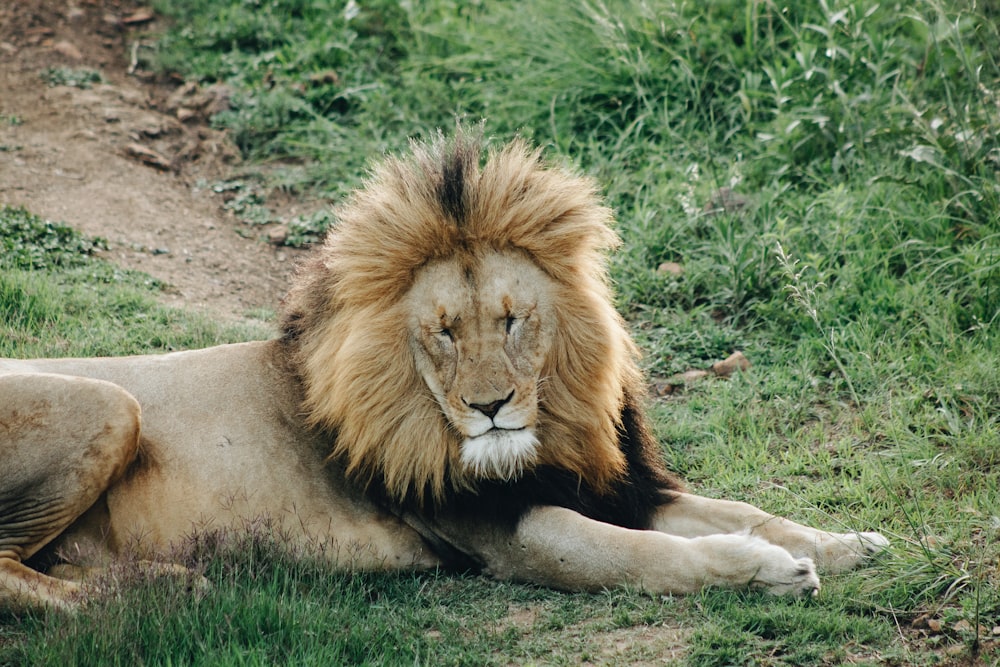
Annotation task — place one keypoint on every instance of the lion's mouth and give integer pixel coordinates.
(500, 453)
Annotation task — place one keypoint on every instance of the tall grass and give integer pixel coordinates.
(861, 132)
(860, 138)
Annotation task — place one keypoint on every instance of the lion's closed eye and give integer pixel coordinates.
(513, 324)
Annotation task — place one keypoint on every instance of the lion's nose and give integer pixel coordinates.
(491, 409)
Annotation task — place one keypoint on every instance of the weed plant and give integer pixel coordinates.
(859, 270)
(80, 77)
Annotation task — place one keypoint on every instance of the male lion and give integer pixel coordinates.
(452, 388)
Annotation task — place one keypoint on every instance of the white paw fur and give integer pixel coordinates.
(779, 573)
(838, 552)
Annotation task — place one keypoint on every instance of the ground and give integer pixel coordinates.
(118, 159)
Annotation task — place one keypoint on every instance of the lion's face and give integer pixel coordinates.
(457, 325)
(480, 331)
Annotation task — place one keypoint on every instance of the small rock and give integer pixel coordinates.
(962, 626)
(219, 96)
(686, 377)
(152, 130)
(184, 114)
(734, 362)
(662, 388)
(8, 48)
(40, 31)
(671, 268)
(965, 627)
(176, 98)
(67, 49)
(131, 96)
(277, 235)
(209, 101)
(161, 251)
(75, 15)
(141, 15)
(147, 156)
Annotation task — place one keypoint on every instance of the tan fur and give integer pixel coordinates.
(454, 337)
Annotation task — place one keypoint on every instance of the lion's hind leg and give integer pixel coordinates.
(63, 441)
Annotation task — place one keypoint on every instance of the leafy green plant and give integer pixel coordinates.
(76, 77)
(305, 230)
(30, 242)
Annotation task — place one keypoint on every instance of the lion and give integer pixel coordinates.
(452, 388)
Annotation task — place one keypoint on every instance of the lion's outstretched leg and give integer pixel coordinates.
(63, 440)
(695, 516)
(557, 547)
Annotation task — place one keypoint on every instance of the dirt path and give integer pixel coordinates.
(112, 161)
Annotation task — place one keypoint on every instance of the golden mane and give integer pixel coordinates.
(345, 318)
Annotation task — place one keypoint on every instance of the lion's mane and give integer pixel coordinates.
(346, 323)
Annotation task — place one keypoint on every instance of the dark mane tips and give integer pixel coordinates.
(451, 189)
(454, 163)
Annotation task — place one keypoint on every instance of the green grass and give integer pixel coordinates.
(861, 278)
(74, 77)
(57, 299)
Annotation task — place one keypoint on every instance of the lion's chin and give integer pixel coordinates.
(500, 453)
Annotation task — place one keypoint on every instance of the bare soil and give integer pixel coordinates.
(120, 160)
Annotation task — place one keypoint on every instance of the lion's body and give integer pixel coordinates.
(218, 468)
(453, 386)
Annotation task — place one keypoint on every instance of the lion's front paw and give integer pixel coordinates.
(842, 551)
(782, 574)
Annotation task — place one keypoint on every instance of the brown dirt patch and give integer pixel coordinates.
(591, 643)
(113, 160)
